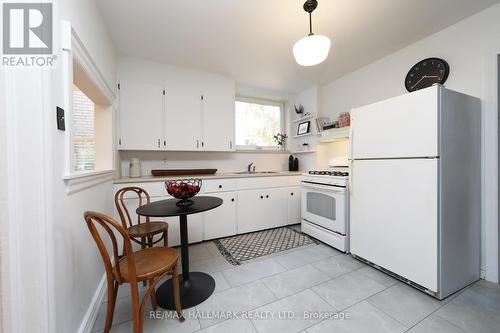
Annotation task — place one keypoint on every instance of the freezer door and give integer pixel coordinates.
(403, 126)
(394, 216)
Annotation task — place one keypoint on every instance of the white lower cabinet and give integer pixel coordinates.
(294, 205)
(262, 209)
(221, 221)
(194, 223)
(195, 229)
(249, 204)
(277, 207)
(250, 210)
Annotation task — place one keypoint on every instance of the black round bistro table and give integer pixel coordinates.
(195, 287)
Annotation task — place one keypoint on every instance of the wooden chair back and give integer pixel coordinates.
(114, 276)
(108, 224)
(143, 198)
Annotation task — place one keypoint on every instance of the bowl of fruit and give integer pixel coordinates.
(183, 189)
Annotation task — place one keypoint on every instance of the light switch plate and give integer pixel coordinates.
(60, 119)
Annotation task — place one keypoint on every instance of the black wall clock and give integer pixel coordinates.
(426, 73)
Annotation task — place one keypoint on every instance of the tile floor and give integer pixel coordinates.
(307, 283)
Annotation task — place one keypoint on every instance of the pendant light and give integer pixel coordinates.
(313, 49)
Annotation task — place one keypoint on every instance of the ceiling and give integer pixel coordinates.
(251, 40)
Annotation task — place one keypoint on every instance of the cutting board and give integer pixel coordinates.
(181, 172)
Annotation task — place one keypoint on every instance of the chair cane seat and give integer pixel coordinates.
(149, 262)
(147, 229)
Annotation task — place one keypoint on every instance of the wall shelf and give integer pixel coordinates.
(303, 151)
(306, 118)
(301, 135)
(334, 134)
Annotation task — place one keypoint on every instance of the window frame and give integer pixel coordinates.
(74, 51)
(261, 101)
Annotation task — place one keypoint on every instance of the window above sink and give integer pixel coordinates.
(256, 122)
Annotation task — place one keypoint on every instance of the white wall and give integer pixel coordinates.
(86, 18)
(464, 46)
(251, 91)
(4, 295)
(26, 216)
(223, 162)
(78, 267)
(331, 150)
(470, 48)
(310, 99)
(141, 70)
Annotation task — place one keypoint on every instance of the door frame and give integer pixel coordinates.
(489, 167)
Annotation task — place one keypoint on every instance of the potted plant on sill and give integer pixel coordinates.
(280, 139)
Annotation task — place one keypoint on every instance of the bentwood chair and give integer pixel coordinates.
(143, 232)
(150, 264)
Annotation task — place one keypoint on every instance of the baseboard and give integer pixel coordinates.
(93, 309)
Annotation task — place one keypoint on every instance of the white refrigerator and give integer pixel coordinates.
(415, 188)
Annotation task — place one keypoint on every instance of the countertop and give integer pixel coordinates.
(223, 175)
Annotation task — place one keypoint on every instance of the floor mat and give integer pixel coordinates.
(239, 248)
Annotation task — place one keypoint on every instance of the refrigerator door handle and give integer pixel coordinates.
(351, 137)
(350, 182)
(351, 174)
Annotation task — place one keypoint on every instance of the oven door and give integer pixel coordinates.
(325, 205)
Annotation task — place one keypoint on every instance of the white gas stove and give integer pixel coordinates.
(338, 178)
(325, 207)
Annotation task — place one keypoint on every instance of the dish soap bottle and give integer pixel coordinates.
(290, 163)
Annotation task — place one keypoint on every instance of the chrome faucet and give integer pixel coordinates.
(249, 167)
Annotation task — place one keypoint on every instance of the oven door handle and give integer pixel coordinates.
(329, 188)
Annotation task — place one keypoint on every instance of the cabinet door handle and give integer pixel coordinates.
(291, 193)
(164, 143)
(232, 199)
(197, 143)
(220, 186)
(262, 197)
(203, 144)
(230, 144)
(267, 196)
(158, 143)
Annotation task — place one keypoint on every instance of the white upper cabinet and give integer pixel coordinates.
(178, 109)
(183, 117)
(218, 116)
(140, 116)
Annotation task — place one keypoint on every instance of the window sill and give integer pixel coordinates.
(80, 181)
(263, 150)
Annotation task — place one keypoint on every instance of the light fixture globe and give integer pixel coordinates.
(311, 50)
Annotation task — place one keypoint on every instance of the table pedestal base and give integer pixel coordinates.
(198, 288)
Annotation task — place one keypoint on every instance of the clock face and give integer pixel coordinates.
(426, 73)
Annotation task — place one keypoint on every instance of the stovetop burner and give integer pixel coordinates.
(330, 173)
